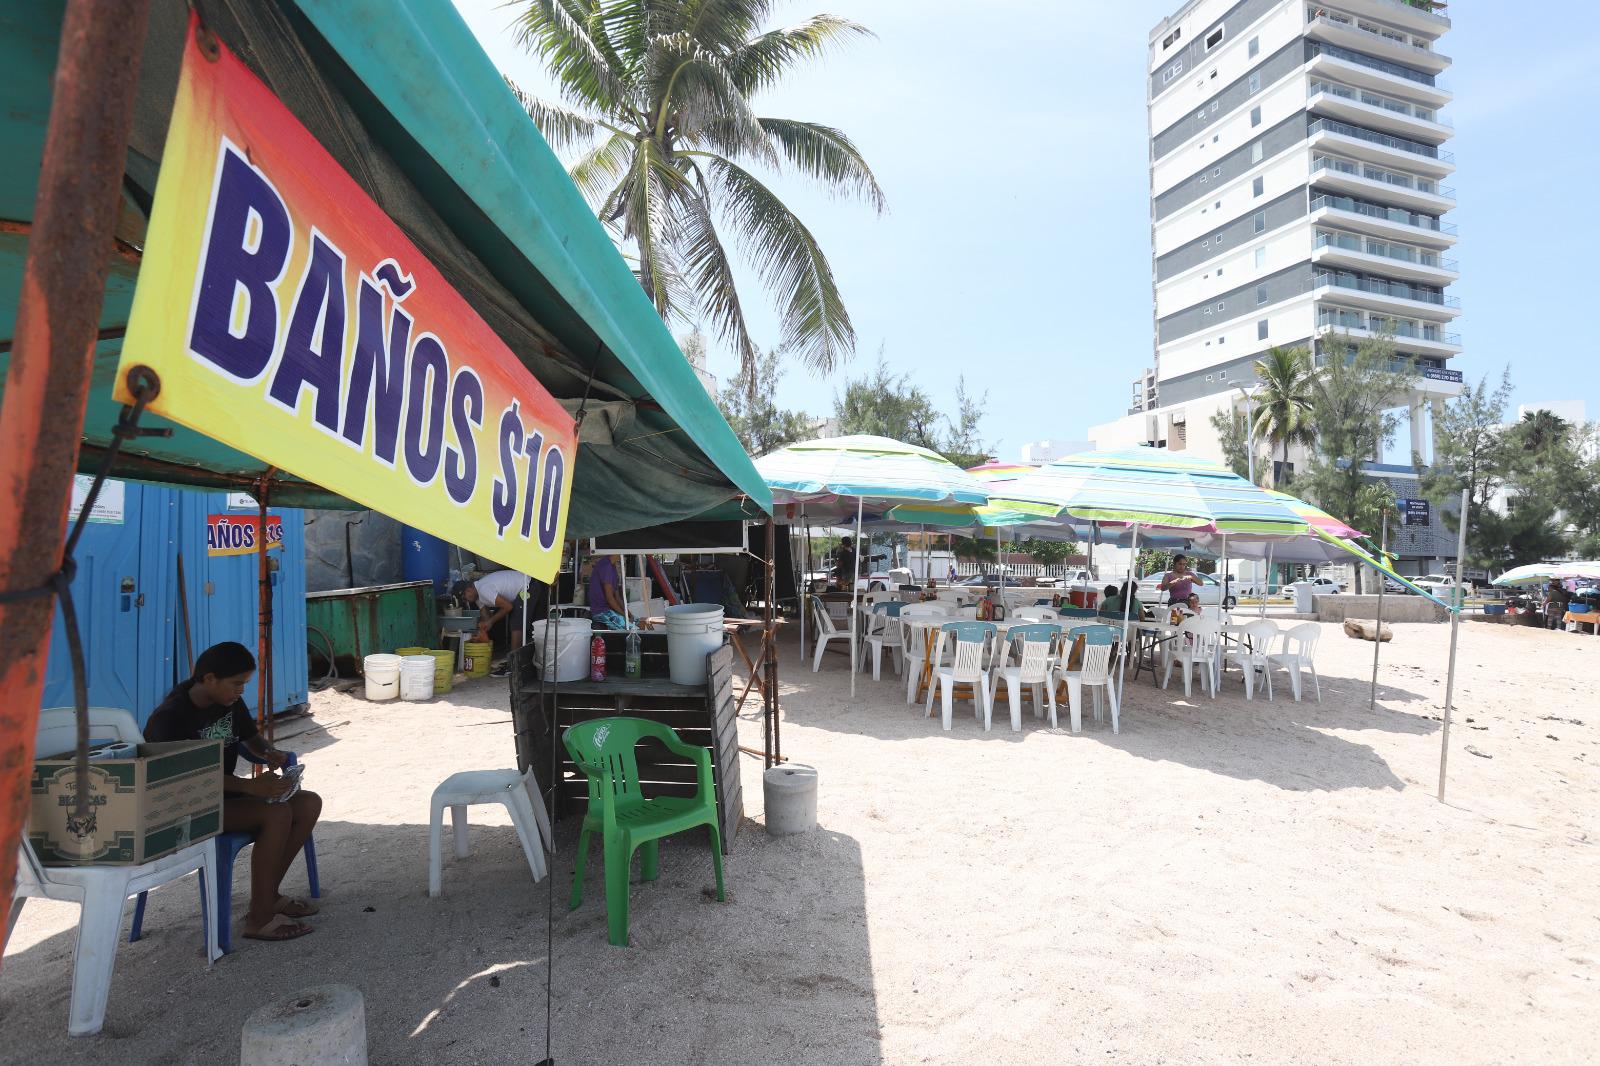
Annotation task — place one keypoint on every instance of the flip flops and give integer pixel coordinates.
(279, 928)
(294, 907)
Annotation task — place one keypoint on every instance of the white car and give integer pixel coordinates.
(1437, 584)
(1207, 586)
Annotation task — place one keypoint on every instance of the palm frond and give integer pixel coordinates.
(582, 61)
(599, 169)
(562, 128)
(707, 266)
(827, 155)
(690, 90)
(815, 324)
(764, 59)
(648, 222)
(723, 25)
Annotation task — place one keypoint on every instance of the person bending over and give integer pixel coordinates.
(209, 706)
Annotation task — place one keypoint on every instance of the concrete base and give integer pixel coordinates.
(791, 797)
(1396, 608)
(325, 1025)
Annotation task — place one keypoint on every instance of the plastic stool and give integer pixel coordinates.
(517, 792)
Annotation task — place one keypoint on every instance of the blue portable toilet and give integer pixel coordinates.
(127, 598)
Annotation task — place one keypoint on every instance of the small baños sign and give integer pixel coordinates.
(289, 317)
(234, 534)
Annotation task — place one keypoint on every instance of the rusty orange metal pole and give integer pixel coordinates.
(47, 383)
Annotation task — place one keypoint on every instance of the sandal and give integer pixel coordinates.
(279, 928)
(293, 907)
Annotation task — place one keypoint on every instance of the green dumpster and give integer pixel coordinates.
(351, 624)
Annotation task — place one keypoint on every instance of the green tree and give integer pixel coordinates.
(661, 108)
(1470, 454)
(1048, 552)
(1283, 404)
(886, 404)
(748, 402)
(961, 442)
(1233, 434)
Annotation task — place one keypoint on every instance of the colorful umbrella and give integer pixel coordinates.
(1315, 517)
(1539, 573)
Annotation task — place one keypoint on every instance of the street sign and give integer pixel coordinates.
(1417, 512)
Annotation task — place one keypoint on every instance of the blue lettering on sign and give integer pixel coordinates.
(535, 443)
(313, 346)
(377, 371)
(503, 503)
(555, 472)
(245, 252)
(426, 387)
(466, 416)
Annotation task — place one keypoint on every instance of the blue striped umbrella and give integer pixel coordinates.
(881, 471)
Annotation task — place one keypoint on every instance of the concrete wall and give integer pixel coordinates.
(1395, 608)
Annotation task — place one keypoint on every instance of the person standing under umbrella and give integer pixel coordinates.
(844, 564)
(1178, 582)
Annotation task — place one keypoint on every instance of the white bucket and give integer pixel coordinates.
(567, 657)
(694, 630)
(416, 677)
(383, 676)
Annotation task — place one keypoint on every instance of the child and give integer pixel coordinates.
(209, 707)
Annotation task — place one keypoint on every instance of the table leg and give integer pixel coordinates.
(925, 681)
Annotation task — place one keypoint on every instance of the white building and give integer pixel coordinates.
(1296, 191)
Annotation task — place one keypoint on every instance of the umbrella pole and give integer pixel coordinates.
(1455, 626)
(1127, 607)
(1089, 567)
(855, 584)
(1265, 591)
(1377, 639)
(805, 578)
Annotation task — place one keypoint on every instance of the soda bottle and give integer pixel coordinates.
(597, 659)
(632, 662)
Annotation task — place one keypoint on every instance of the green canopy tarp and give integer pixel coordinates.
(404, 98)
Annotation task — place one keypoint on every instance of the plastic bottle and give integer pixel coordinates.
(597, 659)
(632, 661)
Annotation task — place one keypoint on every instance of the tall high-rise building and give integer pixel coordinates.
(1298, 197)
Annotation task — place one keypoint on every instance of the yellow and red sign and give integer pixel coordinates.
(240, 534)
(289, 317)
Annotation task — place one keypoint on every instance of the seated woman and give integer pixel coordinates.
(1111, 601)
(209, 707)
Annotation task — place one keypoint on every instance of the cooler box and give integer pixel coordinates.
(1083, 597)
(165, 798)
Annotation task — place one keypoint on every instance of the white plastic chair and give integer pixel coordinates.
(971, 645)
(1035, 643)
(1196, 645)
(519, 793)
(1094, 672)
(1035, 613)
(1299, 653)
(823, 630)
(883, 631)
(912, 643)
(101, 892)
(1251, 654)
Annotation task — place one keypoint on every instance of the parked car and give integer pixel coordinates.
(1207, 585)
(1437, 584)
(1326, 585)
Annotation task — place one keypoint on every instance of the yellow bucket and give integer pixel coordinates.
(478, 653)
(444, 670)
(411, 651)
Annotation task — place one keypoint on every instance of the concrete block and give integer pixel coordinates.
(1396, 608)
(326, 1025)
(791, 796)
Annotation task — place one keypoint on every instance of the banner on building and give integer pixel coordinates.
(289, 317)
(240, 534)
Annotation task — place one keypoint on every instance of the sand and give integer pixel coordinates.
(1223, 882)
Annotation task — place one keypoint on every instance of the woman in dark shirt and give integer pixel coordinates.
(209, 707)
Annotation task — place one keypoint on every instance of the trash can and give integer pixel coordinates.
(1303, 603)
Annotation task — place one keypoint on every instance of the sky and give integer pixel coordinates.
(1010, 140)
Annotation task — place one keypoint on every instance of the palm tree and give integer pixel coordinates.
(665, 88)
(1283, 402)
(1541, 429)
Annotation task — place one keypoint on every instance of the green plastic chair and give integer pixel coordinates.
(604, 750)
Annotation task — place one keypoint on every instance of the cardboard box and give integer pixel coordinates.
(166, 798)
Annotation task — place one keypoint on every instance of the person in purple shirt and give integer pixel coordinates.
(605, 595)
(1179, 581)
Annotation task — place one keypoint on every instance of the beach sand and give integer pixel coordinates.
(1221, 882)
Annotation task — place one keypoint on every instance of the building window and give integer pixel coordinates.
(1214, 103)
(1261, 290)
(1255, 152)
(1255, 82)
(1214, 38)
(1172, 72)
(1258, 186)
(1217, 172)
(1166, 42)
(1217, 205)
(1261, 258)
(1222, 375)
(1255, 116)
(1255, 47)
(1261, 330)
(1219, 272)
(1222, 340)
(1260, 221)
(1221, 307)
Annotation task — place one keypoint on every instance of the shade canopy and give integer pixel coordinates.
(404, 98)
(1154, 488)
(878, 470)
(1315, 517)
(1539, 573)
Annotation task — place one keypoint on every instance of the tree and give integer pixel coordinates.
(1469, 454)
(748, 402)
(1233, 435)
(1048, 552)
(1283, 403)
(666, 87)
(961, 442)
(884, 404)
(1352, 423)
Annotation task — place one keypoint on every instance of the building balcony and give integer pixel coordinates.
(1377, 111)
(1331, 135)
(1386, 257)
(1411, 336)
(1398, 46)
(1419, 16)
(1380, 221)
(1358, 68)
(1374, 183)
(1428, 381)
(1385, 296)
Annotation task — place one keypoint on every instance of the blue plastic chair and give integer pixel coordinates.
(229, 845)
